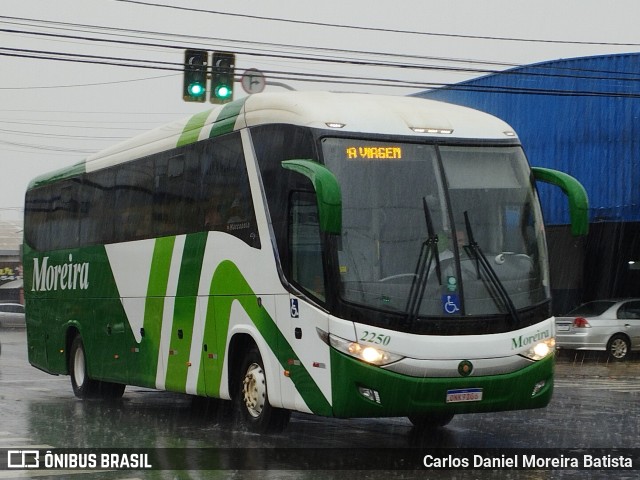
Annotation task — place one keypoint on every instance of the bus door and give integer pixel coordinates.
(308, 366)
(305, 372)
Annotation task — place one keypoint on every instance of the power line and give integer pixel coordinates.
(323, 78)
(59, 135)
(96, 84)
(120, 32)
(65, 124)
(319, 78)
(28, 151)
(356, 62)
(374, 29)
(343, 80)
(46, 147)
(89, 112)
(322, 59)
(174, 66)
(320, 50)
(99, 59)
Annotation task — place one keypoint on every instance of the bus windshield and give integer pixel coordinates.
(387, 191)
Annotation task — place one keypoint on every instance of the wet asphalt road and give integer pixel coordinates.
(596, 404)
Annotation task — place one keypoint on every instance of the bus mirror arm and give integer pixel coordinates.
(328, 193)
(577, 195)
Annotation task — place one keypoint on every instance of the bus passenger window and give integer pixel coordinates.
(226, 199)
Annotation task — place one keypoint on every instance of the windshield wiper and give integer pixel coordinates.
(474, 251)
(428, 252)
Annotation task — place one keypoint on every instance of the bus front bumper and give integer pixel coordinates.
(362, 390)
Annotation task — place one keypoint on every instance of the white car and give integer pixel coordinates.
(12, 315)
(608, 325)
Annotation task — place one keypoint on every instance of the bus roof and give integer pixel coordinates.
(346, 112)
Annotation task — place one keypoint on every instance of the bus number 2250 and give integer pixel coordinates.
(376, 338)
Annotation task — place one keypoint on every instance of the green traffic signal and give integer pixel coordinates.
(196, 89)
(222, 73)
(194, 85)
(196, 70)
(223, 92)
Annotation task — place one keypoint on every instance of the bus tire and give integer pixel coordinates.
(252, 400)
(84, 386)
(430, 421)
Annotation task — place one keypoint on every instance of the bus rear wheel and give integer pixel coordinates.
(252, 400)
(84, 386)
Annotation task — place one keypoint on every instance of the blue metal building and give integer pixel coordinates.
(581, 116)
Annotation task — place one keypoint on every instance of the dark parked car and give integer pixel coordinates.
(608, 325)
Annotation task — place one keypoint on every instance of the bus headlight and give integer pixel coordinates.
(367, 353)
(541, 349)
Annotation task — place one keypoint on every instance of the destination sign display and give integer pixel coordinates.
(374, 152)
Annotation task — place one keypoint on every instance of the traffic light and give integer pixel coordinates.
(222, 72)
(194, 86)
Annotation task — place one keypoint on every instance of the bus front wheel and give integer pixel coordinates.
(83, 385)
(430, 421)
(252, 400)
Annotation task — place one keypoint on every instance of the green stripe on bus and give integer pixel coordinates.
(154, 308)
(226, 121)
(184, 312)
(193, 127)
(58, 175)
(227, 286)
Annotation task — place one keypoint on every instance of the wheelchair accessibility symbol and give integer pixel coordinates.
(450, 304)
(293, 306)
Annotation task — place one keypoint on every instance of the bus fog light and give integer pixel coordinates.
(369, 394)
(537, 388)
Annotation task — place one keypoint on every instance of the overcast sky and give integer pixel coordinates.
(54, 113)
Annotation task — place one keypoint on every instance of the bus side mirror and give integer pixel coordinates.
(577, 195)
(327, 189)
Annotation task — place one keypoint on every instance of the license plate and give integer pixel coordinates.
(563, 328)
(464, 395)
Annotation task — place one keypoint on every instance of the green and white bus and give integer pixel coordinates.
(344, 255)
